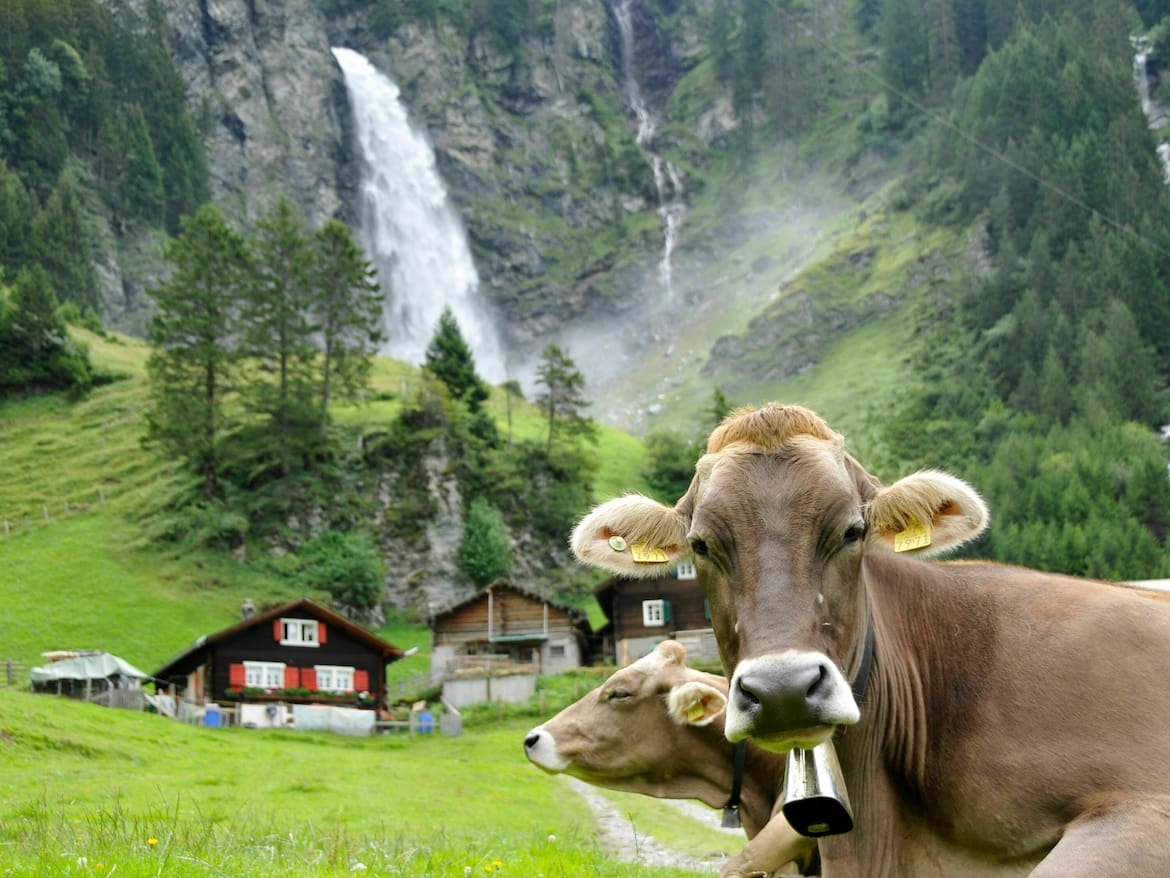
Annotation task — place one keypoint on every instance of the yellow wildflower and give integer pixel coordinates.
(152, 841)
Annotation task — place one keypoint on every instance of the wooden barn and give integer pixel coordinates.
(299, 653)
(511, 624)
(644, 612)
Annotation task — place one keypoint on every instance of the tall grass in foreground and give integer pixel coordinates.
(90, 791)
(47, 842)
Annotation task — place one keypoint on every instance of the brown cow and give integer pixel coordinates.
(655, 727)
(1014, 722)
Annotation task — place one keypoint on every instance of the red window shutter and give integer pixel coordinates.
(277, 630)
(309, 678)
(292, 678)
(236, 676)
(361, 681)
(320, 632)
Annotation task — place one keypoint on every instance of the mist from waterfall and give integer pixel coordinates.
(409, 229)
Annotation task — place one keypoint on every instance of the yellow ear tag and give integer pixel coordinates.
(695, 712)
(643, 554)
(915, 536)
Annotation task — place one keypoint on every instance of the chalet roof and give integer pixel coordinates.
(576, 614)
(187, 660)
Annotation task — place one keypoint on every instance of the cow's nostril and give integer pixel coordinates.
(822, 674)
(746, 692)
(531, 740)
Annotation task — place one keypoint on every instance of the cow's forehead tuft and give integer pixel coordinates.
(771, 426)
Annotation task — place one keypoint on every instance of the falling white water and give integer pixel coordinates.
(667, 183)
(409, 229)
(1156, 114)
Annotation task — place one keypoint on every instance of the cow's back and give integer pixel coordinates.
(1040, 693)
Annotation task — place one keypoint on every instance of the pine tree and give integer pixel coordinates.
(60, 242)
(195, 328)
(450, 359)
(347, 305)
(512, 390)
(278, 331)
(563, 399)
(142, 196)
(486, 552)
(36, 352)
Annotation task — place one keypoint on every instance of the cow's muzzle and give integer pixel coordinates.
(791, 699)
(541, 749)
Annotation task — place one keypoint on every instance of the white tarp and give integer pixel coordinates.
(86, 667)
(342, 720)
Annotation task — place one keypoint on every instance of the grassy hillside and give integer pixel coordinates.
(824, 304)
(89, 790)
(79, 567)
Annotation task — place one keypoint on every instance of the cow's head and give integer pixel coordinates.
(777, 519)
(637, 731)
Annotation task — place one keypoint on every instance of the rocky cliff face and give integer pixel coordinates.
(271, 101)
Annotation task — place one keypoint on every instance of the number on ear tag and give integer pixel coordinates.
(643, 554)
(915, 536)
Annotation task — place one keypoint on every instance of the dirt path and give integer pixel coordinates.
(622, 839)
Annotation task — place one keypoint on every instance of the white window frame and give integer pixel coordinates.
(654, 613)
(264, 675)
(299, 632)
(686, 570)
(334, 678)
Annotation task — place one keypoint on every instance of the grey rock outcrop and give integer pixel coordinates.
(266, 91)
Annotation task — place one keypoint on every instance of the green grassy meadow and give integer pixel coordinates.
(86, 790)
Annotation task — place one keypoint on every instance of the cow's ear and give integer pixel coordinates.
(925, 514)
(632, 535)
(694, 703)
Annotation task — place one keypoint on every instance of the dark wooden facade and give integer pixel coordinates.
(304, 645)
(678, 606)
(506, 620)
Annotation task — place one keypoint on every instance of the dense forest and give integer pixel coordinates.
(1042, 374)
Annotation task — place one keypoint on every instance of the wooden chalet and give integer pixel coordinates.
(644, 612)
(510, 623)
(298, 653)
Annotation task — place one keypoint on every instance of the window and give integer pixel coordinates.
(556, 650)
(298, 632)
(334, 678)
(264, 675)
(655, 613)
(686, 570)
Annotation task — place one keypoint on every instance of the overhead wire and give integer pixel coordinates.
(949, 124)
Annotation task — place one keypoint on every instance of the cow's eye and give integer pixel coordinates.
(699, 547)
(618, 695)
(853, 534)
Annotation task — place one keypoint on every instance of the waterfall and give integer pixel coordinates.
(667, 182)
(409, 230)
(1155, 112)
